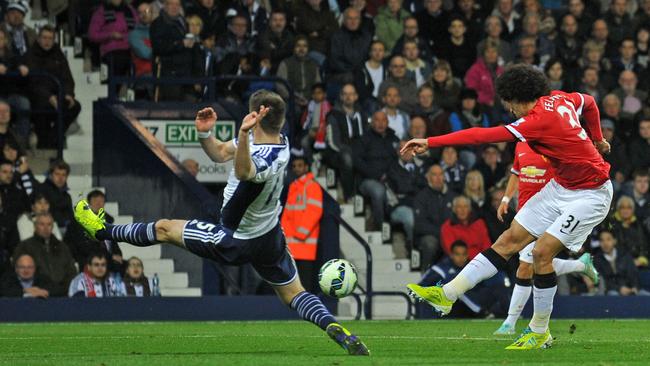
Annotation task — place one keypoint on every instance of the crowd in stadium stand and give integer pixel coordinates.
(366, 75)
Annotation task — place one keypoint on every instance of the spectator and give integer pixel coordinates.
(411, 33)
(611, 109)
(488, 297)
(631, 98)
(568, 44)
(425, 107)
(600, 36)
(433, 21)
(301, 220)
(640, 194)
(418, 130)
(235, 45)
(531, 28)
(300, 71)
(466, 226)
(346, 124)
(457, 49)
(367, 19)
(40, 205)
(96, 280)
(13, 202)
(495, 226)
(254, 12)
(468, 115)
(590, 84)
(404, 181)
(639, 149)
(474, 190)
(315, 21)
(109, 27)
(389, 23)
(643, 45)
(140, 42)
(431, 209)
(493, 30)
(471, 14)
(7, 134)
(52, 257)
(55, 188)
(25, 280)
(135, 282)
(398, 120)
(46, 56)
(22, 36)
(399, 78)
(454, 170)
(490, 166)
(629, 231)
(348, 48)
(173, 50)
(374, 153)
(481, 77)
(214, 20)
(277, 41)
(15, 91)
(592, 56)
(192, 166)
(445, 87)
(314, 122)
(642, 17)
(617, 157)
(584, 19)
(616, 267)
(415, 65)
(370, 77)
(627, 58)
(528, 52)
(554, 71)
(618, 21)
(510, 19)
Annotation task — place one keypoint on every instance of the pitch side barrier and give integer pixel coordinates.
(570, 307)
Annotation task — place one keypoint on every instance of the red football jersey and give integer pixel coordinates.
(534, 171)
(553, 129)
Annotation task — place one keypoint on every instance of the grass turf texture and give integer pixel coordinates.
(440, 342)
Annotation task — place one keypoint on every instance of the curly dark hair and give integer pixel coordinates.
(522, 83)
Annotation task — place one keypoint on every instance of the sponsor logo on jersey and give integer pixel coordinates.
(532, 171)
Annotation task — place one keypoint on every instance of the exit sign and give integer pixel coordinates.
(185, 134)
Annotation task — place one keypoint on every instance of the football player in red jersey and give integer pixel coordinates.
(561, 215)
(530, 173)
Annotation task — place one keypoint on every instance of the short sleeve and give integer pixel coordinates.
(264, 160)
(577, 99)
(526, 128)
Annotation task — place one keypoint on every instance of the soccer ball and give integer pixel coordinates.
(337, 278)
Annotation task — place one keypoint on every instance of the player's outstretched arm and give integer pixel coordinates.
(216, 150)
(471, 136)
(591, 115)
(244, 167)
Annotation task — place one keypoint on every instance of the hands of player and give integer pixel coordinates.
(253, 118)
(502, 210)
(205, 120)
(415, 147)
(603, 146)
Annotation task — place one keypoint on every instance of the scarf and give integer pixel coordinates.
(131, 283)
(18, 38)
(89, 285)
(314, 118)
(110, 12)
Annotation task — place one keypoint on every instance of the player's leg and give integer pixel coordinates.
(482, 267)
(521, 291)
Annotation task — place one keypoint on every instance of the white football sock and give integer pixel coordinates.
(543, 306)
(564, 266)
(477, 270)
(520, 295)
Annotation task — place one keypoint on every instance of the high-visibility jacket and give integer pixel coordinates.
(301, 217)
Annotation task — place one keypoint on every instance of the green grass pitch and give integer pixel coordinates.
(295, 343)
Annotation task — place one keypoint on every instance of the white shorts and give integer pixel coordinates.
(568, 215)
(526, 254)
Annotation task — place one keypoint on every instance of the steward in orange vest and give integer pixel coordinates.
(301, 217)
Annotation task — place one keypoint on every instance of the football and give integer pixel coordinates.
(337, 278)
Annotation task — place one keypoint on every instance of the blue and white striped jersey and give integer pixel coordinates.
(253, 207)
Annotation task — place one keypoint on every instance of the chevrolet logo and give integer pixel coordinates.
(532, 171)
